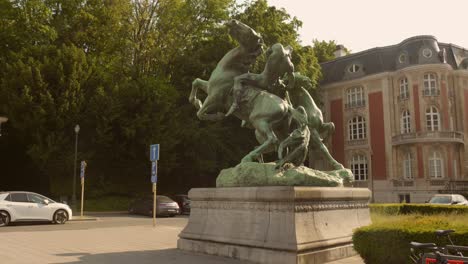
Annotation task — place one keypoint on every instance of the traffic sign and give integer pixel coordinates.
(154, 172)
(154, 152)
(83, 168)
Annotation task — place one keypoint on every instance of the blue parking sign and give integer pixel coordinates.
(154, 172)
(83, 167)
(154, 152)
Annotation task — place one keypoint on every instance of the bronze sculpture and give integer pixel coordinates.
(281, 124)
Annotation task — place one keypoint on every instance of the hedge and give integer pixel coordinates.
(388, 241)
(425, 209)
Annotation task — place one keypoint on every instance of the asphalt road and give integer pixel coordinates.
(105, 220)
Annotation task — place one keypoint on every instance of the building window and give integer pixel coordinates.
(404, 90)
(427, 52)
(430, 85)
(405, 122)
(435, 165)
(408, 166)
(357, 128)
(402, 58)
(355, 97)
(359, 167)
(432, 119)
(354, 68)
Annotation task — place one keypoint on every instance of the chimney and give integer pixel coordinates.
(340, 51)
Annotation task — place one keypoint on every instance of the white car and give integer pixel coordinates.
(28, 206)
(448, 199)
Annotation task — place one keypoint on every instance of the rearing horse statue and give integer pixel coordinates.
(236, 62)
(261, 110)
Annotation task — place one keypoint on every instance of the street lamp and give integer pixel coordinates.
(3, 119)
(77, 130)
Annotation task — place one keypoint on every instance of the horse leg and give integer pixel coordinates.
(317, 142)
(328, 129)
(260, 159)
(197, 84)
(263, 127)
(209, 107)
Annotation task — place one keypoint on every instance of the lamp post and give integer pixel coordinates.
(3, 119)
(77, 130)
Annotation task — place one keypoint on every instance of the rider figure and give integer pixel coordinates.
(278, 64)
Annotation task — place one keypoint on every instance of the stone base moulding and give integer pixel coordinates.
(275, 224)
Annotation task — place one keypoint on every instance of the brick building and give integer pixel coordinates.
(401, 117)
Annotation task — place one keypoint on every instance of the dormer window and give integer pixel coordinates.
(427, 52)
(354, 68)
(402, 58)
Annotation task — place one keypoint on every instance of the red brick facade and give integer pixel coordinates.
(377, 133)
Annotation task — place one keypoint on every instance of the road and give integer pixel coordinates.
(105, 220)
(113, 239)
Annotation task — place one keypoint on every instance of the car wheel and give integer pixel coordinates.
(4, 218)
(60, 217)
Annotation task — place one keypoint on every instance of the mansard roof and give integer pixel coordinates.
(412, 51)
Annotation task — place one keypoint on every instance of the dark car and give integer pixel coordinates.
(183, 201)
(165, 206)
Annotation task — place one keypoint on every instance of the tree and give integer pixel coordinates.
(123, 70)
(324, 50)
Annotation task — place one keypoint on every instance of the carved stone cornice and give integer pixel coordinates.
(297, 207)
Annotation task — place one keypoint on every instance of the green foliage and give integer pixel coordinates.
(123, 70)
(108, 203)
(387, 239)
(424, 209)
(324, 50)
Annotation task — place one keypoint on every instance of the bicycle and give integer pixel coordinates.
(430, 253)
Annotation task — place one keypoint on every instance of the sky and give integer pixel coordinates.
(366, 24)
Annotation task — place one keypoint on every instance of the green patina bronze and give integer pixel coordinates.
(251, 174)
(277, 105)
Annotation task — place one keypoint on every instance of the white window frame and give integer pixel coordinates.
(404, 89)
(432, 119)
(430, 84)
(436, 165)
(405, 122)
(354, 68)
(358, 165)
(355, 96)
(357, 128)
(408, 166)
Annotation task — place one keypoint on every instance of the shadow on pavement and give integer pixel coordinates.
(164, 256)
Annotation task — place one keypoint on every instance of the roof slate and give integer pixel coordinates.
(386, 59)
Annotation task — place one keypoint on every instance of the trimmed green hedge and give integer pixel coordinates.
(387, 240)
(425, 209)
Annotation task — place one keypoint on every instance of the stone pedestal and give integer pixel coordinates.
(275, 224)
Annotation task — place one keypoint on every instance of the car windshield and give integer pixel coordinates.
(441, 200)
(164, 199)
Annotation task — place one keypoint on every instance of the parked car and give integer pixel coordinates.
(449, 199)
(165, 206)
(183, 201)
(28, 206)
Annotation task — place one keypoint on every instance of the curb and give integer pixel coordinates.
(84, 218)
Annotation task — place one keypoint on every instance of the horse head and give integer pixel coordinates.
(246, 36)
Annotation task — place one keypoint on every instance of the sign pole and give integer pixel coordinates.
(154, 157)
(82, 175)
(82, 195)
(154, 205)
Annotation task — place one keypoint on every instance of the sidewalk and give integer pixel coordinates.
(89, 243)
